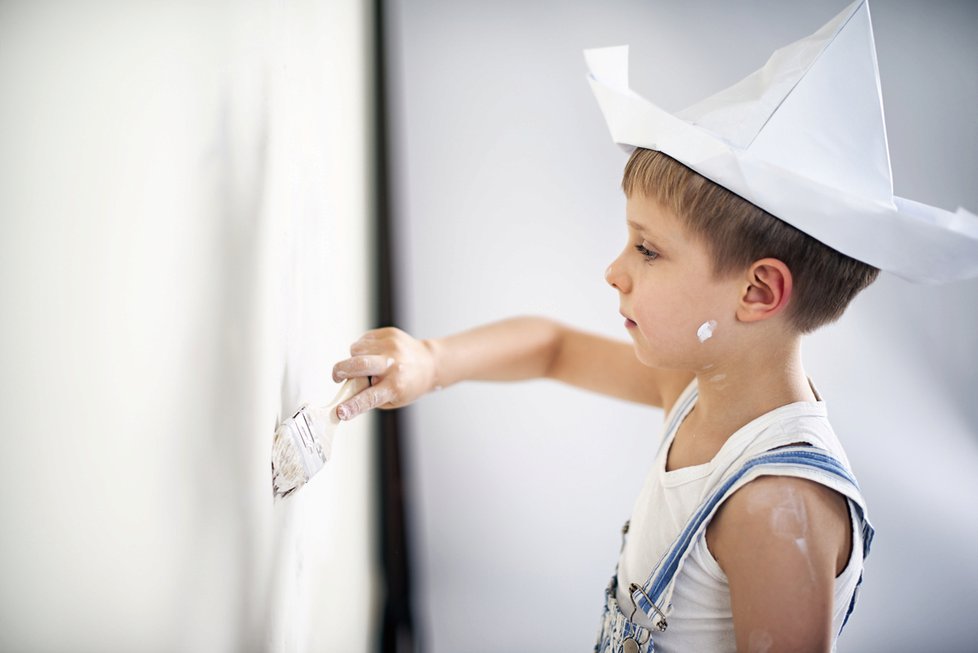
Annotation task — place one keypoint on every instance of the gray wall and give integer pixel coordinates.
(508, 203)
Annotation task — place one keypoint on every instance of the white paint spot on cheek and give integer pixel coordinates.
(760, 641)
(716, 378)
(705, 332)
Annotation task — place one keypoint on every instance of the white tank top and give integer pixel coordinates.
(700, 618)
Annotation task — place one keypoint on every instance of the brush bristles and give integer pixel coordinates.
(288, 474)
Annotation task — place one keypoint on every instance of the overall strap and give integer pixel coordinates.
(807, 462)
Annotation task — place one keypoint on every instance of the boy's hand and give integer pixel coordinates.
(400, 368)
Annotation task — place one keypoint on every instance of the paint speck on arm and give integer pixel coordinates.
(760, 641)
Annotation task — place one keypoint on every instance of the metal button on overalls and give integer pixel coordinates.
(629, 646)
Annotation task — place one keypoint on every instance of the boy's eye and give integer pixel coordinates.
(650, 255)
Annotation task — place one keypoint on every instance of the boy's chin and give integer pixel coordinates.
(650, 359)
(658, 361)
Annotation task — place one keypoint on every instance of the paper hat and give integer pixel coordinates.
(804, 139)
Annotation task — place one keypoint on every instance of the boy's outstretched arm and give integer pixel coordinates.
(404, 368)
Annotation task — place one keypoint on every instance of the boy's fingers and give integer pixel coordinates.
(362, 347)
(371, 397)
(368, 344)
(371, 365)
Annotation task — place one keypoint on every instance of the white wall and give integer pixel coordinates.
(509, 204)
(183, 240)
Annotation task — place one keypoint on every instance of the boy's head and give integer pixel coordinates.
(738, 233)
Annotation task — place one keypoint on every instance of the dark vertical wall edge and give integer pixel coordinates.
(397, 633)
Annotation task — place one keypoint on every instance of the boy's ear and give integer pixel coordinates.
(766, 292)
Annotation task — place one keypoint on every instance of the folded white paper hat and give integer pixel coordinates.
(804, 139)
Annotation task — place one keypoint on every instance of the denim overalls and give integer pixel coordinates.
(619, 634)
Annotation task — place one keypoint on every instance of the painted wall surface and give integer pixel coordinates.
(183, 240)
(509, 204)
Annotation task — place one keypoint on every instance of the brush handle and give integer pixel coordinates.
(325, 417)
(349, 388)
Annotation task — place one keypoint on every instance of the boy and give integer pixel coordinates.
(750, 532)
(671, 282)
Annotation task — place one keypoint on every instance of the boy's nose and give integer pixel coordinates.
(616, 278)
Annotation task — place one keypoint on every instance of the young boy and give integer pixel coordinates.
(750, 531)
(721, 337)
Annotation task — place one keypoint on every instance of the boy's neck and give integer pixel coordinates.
(742, 388)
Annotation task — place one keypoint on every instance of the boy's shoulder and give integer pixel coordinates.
(780, 527)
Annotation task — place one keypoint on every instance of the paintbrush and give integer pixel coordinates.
(303, 443)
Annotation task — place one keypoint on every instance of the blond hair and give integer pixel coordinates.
(739, 233)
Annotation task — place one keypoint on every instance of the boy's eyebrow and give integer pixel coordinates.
(651, 238)
(642, 230)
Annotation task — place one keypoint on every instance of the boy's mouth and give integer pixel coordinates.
(629, 323)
